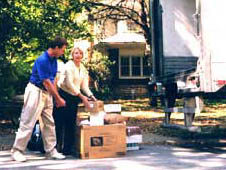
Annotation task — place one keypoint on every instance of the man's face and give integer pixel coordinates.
(59, 51)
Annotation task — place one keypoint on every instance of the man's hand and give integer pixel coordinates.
(51, 88)
(60, 102)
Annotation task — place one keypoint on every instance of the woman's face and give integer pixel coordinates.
(77, 55)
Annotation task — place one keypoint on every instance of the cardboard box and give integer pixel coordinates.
(133, 130)
(97, 119)
(132, 142)
(102, 141)
(95, 106)
(133, 137)
(113, 108)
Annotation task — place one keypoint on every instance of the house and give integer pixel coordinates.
(123, 43)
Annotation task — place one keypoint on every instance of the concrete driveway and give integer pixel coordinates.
(149, 157)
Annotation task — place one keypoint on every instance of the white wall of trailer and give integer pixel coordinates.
(213, 38)
(179, 28)
(181, 38)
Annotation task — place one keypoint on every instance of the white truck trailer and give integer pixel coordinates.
(188, 53)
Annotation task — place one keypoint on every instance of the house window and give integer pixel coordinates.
(121, 27)
(125, 66)
(126, 26)
(131, 26)
(133, 67)
(136, 66)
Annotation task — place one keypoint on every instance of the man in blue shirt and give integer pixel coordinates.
(38, 103)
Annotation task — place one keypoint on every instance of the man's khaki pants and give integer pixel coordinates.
(38, 104)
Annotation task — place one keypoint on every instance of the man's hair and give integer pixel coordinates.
(57, 42)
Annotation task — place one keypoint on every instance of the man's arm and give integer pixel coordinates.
(51, 88)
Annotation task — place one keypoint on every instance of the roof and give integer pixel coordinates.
(125, 38)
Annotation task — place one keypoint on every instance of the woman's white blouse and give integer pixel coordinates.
(74, 79)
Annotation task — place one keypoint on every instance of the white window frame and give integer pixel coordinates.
(130, 68)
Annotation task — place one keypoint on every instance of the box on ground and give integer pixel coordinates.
(113, 108)
(102, 141)
(133, 137)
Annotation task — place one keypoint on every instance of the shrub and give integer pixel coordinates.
(99, 71)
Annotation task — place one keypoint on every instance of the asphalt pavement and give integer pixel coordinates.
(149, 157)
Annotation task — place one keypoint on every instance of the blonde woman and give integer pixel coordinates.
(73, 84)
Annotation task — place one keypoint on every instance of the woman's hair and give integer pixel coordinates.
(76, 48)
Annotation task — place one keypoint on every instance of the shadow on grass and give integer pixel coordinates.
(212, 137)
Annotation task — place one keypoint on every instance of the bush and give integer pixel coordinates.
(99, 70)
(13, 78)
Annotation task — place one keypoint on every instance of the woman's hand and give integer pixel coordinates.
(92, 98)
(85, 100)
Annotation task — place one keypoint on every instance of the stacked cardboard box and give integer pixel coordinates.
(102, 141)
(106, 135)
(96, 110)
(133, 137)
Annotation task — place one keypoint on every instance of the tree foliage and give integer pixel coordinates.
(99, 70)
(134, 10)
(25, 29)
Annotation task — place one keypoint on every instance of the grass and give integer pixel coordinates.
(213, 114)
(212, 119)
(213, 109)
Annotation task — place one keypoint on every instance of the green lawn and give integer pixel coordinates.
(212, 119)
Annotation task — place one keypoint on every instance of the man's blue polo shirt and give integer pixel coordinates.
(45, 67)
